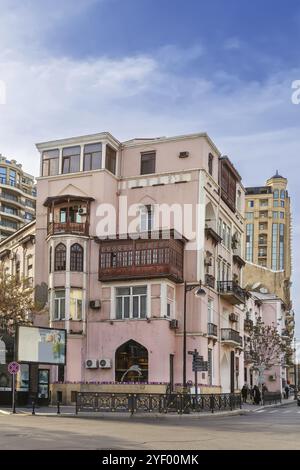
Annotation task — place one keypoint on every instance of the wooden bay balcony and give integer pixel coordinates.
(68, 214)
(127, 258)
(55, 228)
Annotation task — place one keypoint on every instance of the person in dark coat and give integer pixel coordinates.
(287, 391)
(257, 395)
(245, 393)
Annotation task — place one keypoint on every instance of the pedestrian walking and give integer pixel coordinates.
(287, 391)
(245, 393)
(256, 395)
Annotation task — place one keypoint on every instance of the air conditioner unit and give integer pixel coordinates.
(82, 211)
(91, 364)
(95, 304)
(183, 154)
(105, 363)
(174, 324)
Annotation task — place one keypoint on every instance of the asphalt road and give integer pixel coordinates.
(272, 428)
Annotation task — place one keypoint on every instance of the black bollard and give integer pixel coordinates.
(33, 407)
(58, 408)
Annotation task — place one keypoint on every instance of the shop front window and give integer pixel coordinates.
(131, 362)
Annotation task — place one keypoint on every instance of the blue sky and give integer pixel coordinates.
(157, 67)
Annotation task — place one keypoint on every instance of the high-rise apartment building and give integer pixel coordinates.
(268, 237)
(17, 197)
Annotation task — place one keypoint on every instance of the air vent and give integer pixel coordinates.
(184, 154)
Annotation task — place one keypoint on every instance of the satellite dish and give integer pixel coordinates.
(263, 290)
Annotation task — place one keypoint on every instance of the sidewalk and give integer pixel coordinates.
(69, 411)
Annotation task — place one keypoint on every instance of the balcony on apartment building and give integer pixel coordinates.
(212, 330)
(211, 231)
(232, 292)
(157, 256)
(231, 337)
(237, 255)
(233, 317)
(12, 183)
(68, 214)
(210, 281)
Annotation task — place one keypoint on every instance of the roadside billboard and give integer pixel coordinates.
(41, 345)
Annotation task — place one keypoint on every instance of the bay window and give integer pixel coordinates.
(50, 162)
(92, 157)
(71, 159)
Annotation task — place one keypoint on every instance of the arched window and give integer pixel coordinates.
(210, 164)
(60, 257)
(131, 362)
(76, 260)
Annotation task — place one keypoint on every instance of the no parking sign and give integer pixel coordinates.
(13, 368)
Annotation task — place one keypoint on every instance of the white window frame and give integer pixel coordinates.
(131, 297)
(146, 218)
(61, 300)
(78, 301)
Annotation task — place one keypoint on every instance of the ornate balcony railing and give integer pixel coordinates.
(55, 228)
(232, 292)
(212, 330)
(228, 335)
(141, 258)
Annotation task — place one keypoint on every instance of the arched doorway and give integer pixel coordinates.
(131, 362)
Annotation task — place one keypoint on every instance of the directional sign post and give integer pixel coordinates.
(13, 368)
(198, 365)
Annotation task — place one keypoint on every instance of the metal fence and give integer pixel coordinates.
(156, 402)
(271, 397)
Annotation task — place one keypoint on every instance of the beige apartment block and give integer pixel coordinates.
(17, 197)
(268, 238)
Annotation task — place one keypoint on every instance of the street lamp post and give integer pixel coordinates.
(200, 292)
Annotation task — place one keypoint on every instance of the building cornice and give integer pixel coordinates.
(83, 139)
